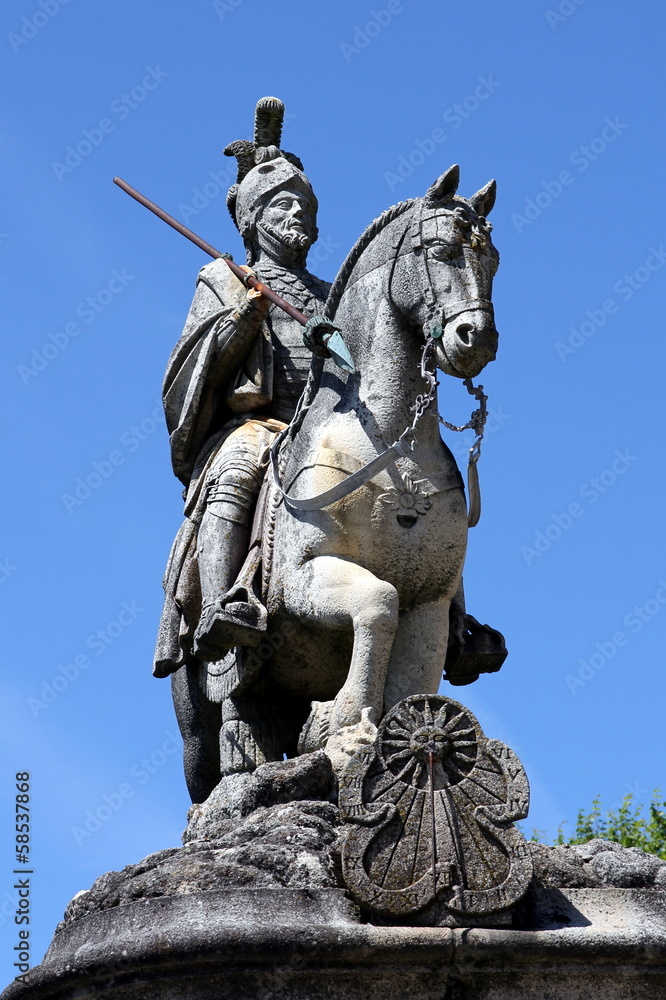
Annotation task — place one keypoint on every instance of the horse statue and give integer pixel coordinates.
(360, 543)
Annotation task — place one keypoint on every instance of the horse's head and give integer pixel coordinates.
(443, 275)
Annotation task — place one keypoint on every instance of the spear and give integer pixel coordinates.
(334, 344)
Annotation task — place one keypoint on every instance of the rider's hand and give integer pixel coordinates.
(254, 297)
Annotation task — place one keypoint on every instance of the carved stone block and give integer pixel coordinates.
(430, 808)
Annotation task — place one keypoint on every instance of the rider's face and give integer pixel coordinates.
(290, 216)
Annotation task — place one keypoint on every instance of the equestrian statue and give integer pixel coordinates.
(316, 580)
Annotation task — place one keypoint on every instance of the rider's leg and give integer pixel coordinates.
(473, 648)
(232, 487)
(418, 653)
(338, 593)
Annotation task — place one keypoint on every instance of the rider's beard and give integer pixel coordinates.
(292, 237)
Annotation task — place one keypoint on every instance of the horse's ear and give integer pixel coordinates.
(483, 201)
(444, 186)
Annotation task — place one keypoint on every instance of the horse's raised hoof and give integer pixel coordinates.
(346, 743)
(221, 627)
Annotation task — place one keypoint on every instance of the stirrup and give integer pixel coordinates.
(481, 651)
(237, 619)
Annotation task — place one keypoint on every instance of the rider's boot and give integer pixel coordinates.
(231, 615)
(473, 648)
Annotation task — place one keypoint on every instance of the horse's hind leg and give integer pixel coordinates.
(340, 594)
(417, 657)
(249, 734)
(199, 724)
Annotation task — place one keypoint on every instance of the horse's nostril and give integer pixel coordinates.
(464, 331)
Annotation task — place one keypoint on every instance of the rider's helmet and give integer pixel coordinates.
(264, 170)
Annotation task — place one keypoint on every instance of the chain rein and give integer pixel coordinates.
(423, 401)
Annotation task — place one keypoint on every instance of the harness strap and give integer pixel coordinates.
(399, 449)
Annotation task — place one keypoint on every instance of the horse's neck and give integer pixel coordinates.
(387, 353)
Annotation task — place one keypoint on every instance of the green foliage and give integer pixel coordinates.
(625, 825)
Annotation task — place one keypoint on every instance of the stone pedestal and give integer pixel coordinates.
(300, 944)
(255, 906)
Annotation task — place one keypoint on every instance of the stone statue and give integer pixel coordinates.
(281, 626)
(352, 832)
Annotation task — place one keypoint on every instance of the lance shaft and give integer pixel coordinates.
(249, 280)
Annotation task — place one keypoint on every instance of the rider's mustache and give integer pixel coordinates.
(292, 232)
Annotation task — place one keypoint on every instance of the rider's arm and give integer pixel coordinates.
(236, 332)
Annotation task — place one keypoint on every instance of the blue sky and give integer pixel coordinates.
(562, 102)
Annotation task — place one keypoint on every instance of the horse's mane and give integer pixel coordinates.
(364, 240)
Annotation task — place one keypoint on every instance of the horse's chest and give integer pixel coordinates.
(416, 540)
(407, 529)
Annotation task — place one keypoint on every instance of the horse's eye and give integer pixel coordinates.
(448, 251)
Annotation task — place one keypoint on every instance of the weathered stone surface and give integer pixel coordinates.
(288, 845)
(256, 911)
(238, 795)
(601, 863)
(266, 830)
(280, 944)
(295, 846)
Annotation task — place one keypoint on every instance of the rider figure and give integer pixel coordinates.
(232, 383)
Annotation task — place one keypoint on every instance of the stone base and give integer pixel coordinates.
(287, 944)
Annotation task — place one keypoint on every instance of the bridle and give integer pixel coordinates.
(437, 317)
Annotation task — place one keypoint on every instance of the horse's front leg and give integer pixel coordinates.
(418, 653)
(340, 594)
